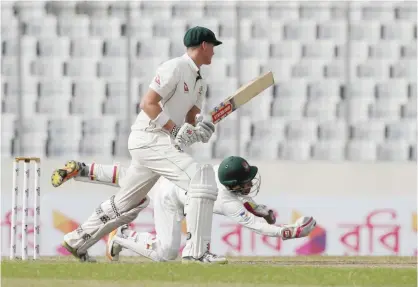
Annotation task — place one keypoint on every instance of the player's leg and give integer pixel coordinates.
(165, 245)
(92, 173)
(113, 213)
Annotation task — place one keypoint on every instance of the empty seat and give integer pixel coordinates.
(100, 125)
(335, 70)
(404, 68)
(33, 144)
(8, 122)
(261, 29)
(354, 109)
(254, 9)
(10, 67)
(47, 67)
(221, 9)
(369, 130)
(259, 107)
(12, 85)
(115, 68)
(157, 9)
(402, 130)
(333, 130)
(270, 129)
(322, 108)
(394, 89)
(85, 88)
(54, 47)
(56, 87)
(54, 104)
(9, 26)
(335, 31)
(393, 151)
(302, 130)
(402, 31)
(219, 91)
(92, 8)
(413, 156)
(324, 89)
(358, 150)
(145, 68)
(365, 31)
(186, 10)
(65, 126)
(174, 29)
(63, 145)
(359, 88)
(288, 107)
(409, 110)
(116, 103)
(295, 150)
(358, 50)
(44, 26)
(218, 70)
(388, 109)
(329, 150)
(300, 30)
(262, 150)
(284, 11)
(376, 69)
(379, 12)
(259, 49)
(74, 26)
(142, 28)
(117, 47)
(91, 105)
(406, 10)
(86, 47)
(409, 51)
(89, 146)
(312, 69)
(224, 148)
(294, 88)
(315, 11)
(319, 49)
(108, 27)
(61, 7)
(412, 91)
(281, 68)
(286, 49)
(36, 124)
(10, 47)
(154, 47)
(7, 144)
(10, 104)
(385, 50)
(81, 68)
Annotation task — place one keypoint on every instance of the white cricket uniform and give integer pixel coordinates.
(168, 203)
(152, 148)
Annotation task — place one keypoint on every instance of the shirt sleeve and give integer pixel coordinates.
(237, 212)
(165, 80)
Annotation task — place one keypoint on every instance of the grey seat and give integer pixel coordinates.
(329, 151)
(393, 151)
(295, 150)
(358, 150)
(369, 130)
(402, 130)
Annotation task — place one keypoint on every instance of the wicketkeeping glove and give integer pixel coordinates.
(301, 228)
(260, 210)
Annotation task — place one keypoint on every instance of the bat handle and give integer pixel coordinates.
(199, 118)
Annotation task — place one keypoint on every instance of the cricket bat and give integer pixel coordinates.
(243, 95)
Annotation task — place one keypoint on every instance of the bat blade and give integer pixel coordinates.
(243, 95)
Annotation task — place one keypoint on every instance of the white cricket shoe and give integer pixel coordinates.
(112, 248)
(207, 258)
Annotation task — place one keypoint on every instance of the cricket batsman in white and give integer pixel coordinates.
(165, 124)
(237, 183)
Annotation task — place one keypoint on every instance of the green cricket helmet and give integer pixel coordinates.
(239, 176)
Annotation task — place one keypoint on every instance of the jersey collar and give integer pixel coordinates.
(191, 63)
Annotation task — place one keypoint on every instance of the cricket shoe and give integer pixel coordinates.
(207, 258)
(112, 248)
(82, 257)
(71, 169)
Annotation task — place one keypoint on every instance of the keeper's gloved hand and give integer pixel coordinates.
(261, 210)
(301, 228)
(186, 135)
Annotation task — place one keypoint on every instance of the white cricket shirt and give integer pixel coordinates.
(177, 84)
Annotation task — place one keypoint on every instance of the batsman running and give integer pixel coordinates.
(237, 182)
(165, 124)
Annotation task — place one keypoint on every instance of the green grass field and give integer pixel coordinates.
(279, 271)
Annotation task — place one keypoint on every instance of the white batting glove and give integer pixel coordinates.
(186, 135)
(205, 130)
(301, 228)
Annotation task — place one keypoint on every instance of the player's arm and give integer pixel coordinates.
(150, 104)
(191, 115)
(238, 213)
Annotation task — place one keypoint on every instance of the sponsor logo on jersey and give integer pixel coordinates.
(186, 88)
(157, 80)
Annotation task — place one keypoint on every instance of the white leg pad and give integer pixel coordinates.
(105, 219)
(201, 197)
(143, 244)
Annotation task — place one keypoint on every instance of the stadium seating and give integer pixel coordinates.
(345, 75)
